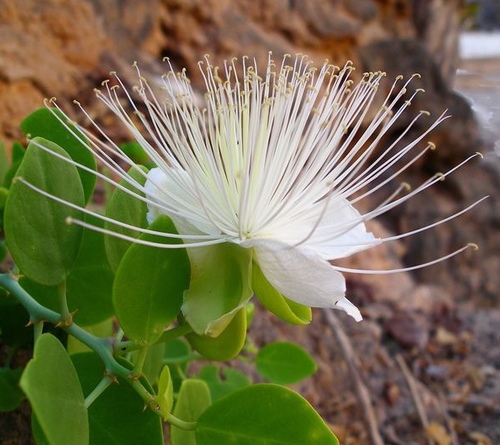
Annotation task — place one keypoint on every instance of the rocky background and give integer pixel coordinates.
(424, 366)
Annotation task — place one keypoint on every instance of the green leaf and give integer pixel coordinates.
(11, 173)
(89, 285)
(36, 430)
(43, 245)
(149, 285)
(275, 302)
(220, 287)
(153, 363)
(285, 363)
(90, 282)
(227, 345)
(165, 392)
(11, 395)
(18, 152)
(4, 193)
(3, 246)
(128, 209)
(193, 399)
(52, 386)
(4, 162)
(44, 123)
(102, 330)
(117, 416)
(263, 414)
(223, 381)
(135, 152)
(177, 355)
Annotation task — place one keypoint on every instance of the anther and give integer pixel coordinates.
(473, 246)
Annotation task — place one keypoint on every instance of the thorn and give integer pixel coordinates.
(111, 377)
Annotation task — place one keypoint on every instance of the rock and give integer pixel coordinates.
(70, 45)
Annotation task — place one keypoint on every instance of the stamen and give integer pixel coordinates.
(410, 268)
(111, 220)
(122, 236)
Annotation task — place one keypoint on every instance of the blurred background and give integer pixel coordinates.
(436, 329)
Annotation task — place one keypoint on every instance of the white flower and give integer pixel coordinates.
(273, 164)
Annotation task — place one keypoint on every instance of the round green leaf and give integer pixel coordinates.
(177, 356)
(11, 395)
(128, 209)
(285, 363)
(193, 399)
(223, 381)
(52, 386)
(90, 282)
(275, 302)
(117, 416)
(44, 123)
(153, 363)
(43, 245)
(226, 345)
(220, 287)
(135, 152)
(263, 414)
(4, 163)
(101, 330)
(149, 284)
(18, 152)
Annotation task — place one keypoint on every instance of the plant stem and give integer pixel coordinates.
(101, 346)
(141, 358)
(37, 330)
(66, 317)
(39, 313)
(98, 390)
(182, 424)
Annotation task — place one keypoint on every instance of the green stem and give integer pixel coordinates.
(66, 318)
(10, 355)
(39, 313)
(128, 346)
(98, 390)
(182, 424)
(101, 346)
(37, 330)
(141, 358)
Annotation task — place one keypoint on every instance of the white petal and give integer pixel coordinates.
(173, 188)
(336, 230)
(299, 274)
(345, 305)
